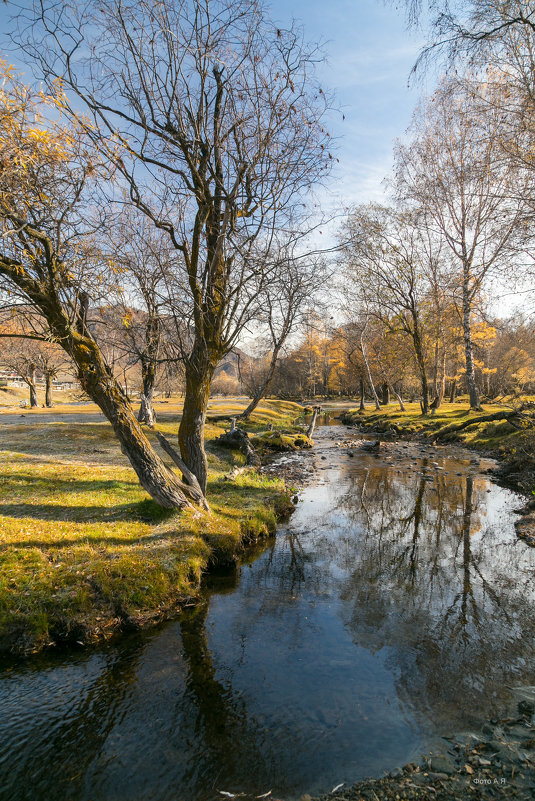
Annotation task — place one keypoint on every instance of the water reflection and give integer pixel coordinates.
(396, 605)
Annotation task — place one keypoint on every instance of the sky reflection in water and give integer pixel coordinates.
(394, 607)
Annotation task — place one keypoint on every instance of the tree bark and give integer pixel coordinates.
(189, 478)
(385, 391)
(439, 397)
(312, 426)
(148, 371)
(453, 391)
(199, 372)
(421, 364)
(153, 474)
(48, 390)
(368, 371)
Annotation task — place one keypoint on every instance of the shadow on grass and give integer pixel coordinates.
(100, 539)
(61, 485)
(143, 511)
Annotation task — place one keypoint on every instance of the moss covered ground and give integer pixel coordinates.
(513, 442)
(84, 552)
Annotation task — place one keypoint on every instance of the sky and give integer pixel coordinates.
(370, 53)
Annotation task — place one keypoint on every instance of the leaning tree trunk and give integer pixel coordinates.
(97, 380)
(48, 390)
(261, 391)
(95, 377)
(153, 474)
(199, 372)
(469, 354)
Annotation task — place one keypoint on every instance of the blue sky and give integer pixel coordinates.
(370, 54)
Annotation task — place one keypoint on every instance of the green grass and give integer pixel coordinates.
(497, 436)
(84, 552)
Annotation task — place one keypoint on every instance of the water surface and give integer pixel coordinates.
(396, 606)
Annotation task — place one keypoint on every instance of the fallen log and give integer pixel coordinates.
(239, 440)
(482, 418)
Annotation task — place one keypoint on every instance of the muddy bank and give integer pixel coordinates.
(497, 762)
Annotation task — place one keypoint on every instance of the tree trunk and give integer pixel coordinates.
(421, 364)
(146, 412)
(385, 393)
(453, 391)
(362, 406)
(97, 380)
(442, 382)
(312, 426)
(148, 370)
(153, 474)
(164, 487)
(199, 372)
(188, 475)
(368, 371)
(33, 391)
(48, 390)
(436, 359)
(468, 347)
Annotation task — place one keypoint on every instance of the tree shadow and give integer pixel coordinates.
(65, 484)
(143, 511)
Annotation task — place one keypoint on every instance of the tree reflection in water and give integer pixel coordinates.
(432, 578)
(395, 605)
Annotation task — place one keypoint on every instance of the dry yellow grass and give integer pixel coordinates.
(83, 551)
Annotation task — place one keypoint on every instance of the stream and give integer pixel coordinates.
(395, 607)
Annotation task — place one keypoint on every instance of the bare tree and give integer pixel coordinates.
(143, 324)
(48, 259)
(286, 305)
(469, 30)
(212, 116)
(387, 266)
(456, 175)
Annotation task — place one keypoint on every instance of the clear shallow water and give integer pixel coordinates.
(397, 605)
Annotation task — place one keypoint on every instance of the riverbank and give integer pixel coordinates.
(497, 762)
(498, 431)
(84, 554)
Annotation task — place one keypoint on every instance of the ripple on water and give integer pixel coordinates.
(395, 606)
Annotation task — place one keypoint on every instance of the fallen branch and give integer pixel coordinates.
(189, 477)
(310, 430)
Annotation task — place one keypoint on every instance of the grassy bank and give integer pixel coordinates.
(510, 440)
(85, 553)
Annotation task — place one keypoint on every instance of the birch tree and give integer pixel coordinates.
(454, 171)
